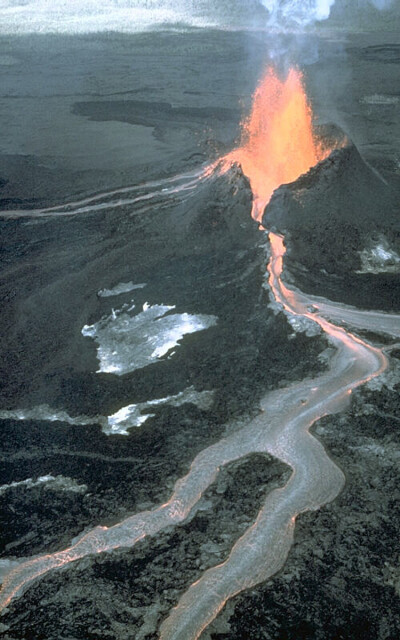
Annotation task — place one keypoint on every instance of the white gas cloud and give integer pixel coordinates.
(297, 12)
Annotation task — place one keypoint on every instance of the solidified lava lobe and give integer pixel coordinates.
(278, 144)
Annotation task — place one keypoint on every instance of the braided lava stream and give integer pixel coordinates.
(280, 429)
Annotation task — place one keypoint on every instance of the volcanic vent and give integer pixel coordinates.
(278, 143)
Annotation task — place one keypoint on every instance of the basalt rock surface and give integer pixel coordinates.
(127, 593)
(201, 252)
(341, 579)
(329, 216)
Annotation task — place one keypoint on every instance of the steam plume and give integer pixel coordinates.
(297, 13)
(287, 14)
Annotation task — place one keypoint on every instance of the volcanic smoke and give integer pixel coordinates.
(278, 144)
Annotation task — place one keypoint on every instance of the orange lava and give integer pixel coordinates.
(278, 144)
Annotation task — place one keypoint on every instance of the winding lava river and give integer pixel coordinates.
(282, 429)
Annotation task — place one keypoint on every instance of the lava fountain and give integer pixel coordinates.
(278, 143)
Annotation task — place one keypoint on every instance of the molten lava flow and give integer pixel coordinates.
(277, 144)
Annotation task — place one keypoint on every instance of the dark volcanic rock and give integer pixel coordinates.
(202, 253)
(342, 579)
(125, 594)
(332, 208)
(151, 114)
(387, 53)
(329, 215)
